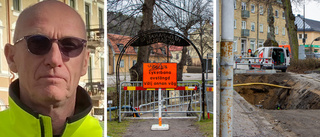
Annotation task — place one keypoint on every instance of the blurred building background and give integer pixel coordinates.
(91, 11)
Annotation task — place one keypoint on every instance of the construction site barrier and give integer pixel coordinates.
(253, 61)
(209, 97)
(184, 101)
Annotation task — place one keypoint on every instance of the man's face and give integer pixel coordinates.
(54, 76)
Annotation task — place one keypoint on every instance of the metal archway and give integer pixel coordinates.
(166, 36)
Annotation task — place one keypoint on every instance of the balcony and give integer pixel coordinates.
(245, 14)
(95, 37)
(245, 33)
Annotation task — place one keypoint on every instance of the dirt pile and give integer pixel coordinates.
(304, 92)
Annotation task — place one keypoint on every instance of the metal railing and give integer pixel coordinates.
(134, 100)
(253, 61)
(209, 96)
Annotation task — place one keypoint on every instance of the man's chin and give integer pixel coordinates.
(54, 95)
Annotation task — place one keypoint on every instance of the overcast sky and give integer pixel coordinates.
(312, 10)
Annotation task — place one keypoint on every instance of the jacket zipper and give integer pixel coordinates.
(42, 127)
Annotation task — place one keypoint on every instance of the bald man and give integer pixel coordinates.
(49, 54)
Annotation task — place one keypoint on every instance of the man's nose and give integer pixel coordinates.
(54, 58)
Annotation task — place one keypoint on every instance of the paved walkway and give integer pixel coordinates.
(177, 128)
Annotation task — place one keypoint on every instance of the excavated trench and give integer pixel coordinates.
(303, 93)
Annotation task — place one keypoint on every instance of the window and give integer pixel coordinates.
(243, 6)
(177, 56)
(16, 5)
(283, 16)
(268, 29)
(252, 26)
(300, 36)
(252, 43)
(151, 52)
(92, 58)
(260, 44)
(102, 68)
(235, 4)
(283, 31)
(100, 17)
(261, 10)
(276, 30)
(120, 46)
(253, 8)
(276, 13)
(87, 16)
(136, 49)
(235, 44)
(261, 28)
(134, 62)
(72, 4)
(243, 25)
(122, 64)
(163, 50)
(235, 24)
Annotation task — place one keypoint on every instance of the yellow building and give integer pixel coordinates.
(116, 43)
(312, 31)
(251, 25)
(92, 13)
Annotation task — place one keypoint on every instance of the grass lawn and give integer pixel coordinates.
(206, 126)
(116, 129)
(111, 89)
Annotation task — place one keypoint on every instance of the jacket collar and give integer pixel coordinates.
(82, 108)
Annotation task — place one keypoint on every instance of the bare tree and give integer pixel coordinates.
(185, 16)
(291, 28)
(136, 71)
(180, 15)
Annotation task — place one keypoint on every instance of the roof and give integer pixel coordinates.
(310, 25)
(120, 40)
(175, 48)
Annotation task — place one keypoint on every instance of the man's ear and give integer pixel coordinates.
(9, 52)
(86, 62)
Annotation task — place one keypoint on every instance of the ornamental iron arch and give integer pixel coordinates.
(165, 36)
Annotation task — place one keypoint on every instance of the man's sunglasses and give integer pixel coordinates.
(40, 45)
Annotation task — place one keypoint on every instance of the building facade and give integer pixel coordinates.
(92, 13)
(116, 43)
(310, 32)
(251, 25)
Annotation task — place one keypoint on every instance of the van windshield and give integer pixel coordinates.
(255, 54)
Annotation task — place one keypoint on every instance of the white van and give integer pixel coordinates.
(278, 58)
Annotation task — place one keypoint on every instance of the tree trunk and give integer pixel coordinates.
(136, 71)
(183, 60)
(271, 40)
(291, 28)
(271, 21)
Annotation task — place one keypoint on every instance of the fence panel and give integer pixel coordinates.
(181, 102)
(209, 96)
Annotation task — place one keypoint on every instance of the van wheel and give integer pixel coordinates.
(283, 70)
